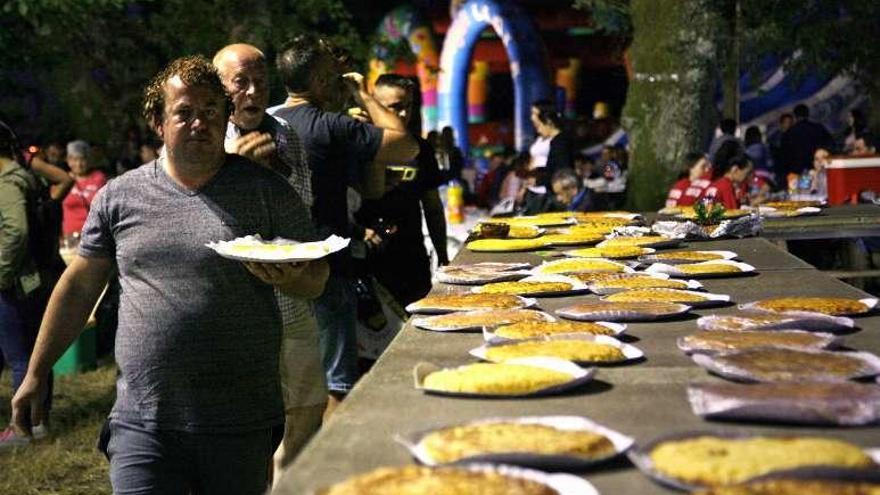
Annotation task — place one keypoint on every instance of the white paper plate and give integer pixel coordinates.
(572, 253)
(630, 352)
(804, 211)
(435, 324)
(653, 258)
(417, 308)
(596, 288)
(711, 299)
(540, 269)
(674, 271)
(536, 221)
(490, 337)
(576, 285)
(495, 266)
(482, 273)
(573, 313)
(579, 377)
(812, 322)
(254, 248)
(546, 462)
(535, 231)
(667, 243)
(563, 484)
(479, 277)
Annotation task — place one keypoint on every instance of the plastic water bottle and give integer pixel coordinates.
(454, 203)
(804, 183)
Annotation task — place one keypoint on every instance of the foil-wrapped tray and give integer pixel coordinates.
(813, 322)
(813, 403)
(781, 365)
(713, 342)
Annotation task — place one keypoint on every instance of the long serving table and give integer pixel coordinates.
(643, 400)
(862, 220)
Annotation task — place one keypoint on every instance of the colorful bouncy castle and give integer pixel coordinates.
(525, 52)
(406, 25)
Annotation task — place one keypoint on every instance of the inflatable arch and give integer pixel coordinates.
(405, 23)
(527, 66)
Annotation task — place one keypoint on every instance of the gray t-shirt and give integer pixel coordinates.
(199, 336)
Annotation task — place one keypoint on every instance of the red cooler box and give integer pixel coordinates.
(849, 176)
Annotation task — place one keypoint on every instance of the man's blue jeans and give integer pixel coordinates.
(145, 460)
(16, 339)
(336, 311)
(19, 323)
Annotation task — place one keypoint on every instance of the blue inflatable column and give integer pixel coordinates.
(527, 66)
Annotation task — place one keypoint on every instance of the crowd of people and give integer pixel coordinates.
(556, 173)
(735, 172)
(225, 368)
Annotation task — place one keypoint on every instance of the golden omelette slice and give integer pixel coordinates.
(835, 306)
(503, 245)
(571, 350)
(420, 480)
(712, 461)
(460, 442)
(495, 379)
(525, 288)
(532, 329)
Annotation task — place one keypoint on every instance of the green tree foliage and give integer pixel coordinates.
(609, 17)
(831, 36)
(79, 66)
(699, 40)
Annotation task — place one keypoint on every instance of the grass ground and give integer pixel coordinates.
(67, 462)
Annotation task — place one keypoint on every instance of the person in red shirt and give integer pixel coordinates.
(78, 202)
(753, 191)
(724, 191)
(693, 180)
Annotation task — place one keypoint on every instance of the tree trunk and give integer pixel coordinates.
(670, 105)
(729, 51)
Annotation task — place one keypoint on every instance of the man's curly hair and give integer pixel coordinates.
(193, 70)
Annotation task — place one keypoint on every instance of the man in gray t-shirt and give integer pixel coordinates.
(199, 335)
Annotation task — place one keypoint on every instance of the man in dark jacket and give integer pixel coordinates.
(19, 277)
(801, 141)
